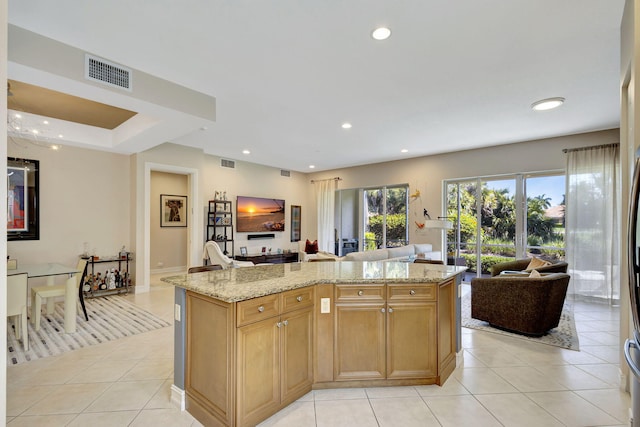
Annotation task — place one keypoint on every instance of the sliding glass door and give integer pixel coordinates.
(503, 218)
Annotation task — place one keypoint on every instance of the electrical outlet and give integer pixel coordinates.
(176, 312)
(325, 305)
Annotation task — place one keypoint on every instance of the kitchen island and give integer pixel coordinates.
(249, 341)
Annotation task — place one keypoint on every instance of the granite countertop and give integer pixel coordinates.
(238, 284)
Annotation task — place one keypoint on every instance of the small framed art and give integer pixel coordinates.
(295, 222)
(173, 211)
(243, 250)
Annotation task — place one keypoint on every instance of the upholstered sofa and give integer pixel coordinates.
(421, 250)
(518, 303)
(522, 264)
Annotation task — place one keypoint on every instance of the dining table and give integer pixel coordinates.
(50, 270)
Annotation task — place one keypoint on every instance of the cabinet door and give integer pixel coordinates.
(296, 335)
(412, 340)
(359, 342)
(258, 371)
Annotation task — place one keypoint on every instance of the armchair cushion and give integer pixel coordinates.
(522, 265)
(536, 263)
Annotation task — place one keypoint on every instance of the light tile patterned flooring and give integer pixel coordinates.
(504, 382)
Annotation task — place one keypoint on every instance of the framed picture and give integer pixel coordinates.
(296, 212)
(243, 250)
(173, 211)
(264, 249)
(23, 218)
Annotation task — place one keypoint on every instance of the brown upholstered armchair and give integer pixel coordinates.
(526, 305)
(521, 265)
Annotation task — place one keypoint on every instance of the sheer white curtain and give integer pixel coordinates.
(325, 199)
(593, 221)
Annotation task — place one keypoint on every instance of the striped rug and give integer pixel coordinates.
(110, 318)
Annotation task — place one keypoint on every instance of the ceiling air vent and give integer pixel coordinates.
(105, 72)
(285, 173)
(227, 163)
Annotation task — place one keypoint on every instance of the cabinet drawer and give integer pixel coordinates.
(256, 309)
(355, 293)
(412, 292)
(297, 298)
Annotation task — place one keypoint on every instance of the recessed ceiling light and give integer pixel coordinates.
(18, 116)
(312, 166)
(35, 131)
(55, 147)
(46, 122)
(246, 152)
(346, 125)
(404, 150)
(61, 136)
(547, 104)
(381, 33)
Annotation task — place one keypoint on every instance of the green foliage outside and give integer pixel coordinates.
(498, 227)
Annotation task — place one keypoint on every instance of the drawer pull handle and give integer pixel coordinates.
(382, 310)
(261, 308)
(285, 323)
(412, 292)
(299, 299)
(360, 293)
(390, 310)
(279, 324)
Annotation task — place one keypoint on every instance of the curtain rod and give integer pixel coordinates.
(337, 178)
(594, 147)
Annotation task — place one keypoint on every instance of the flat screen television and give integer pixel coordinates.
(257, 214)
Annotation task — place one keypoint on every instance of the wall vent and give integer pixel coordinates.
(285, 173)
(105, 72)
(227, 163)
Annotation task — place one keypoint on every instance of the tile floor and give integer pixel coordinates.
(504, 382)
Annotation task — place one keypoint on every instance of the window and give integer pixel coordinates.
(371, 218)
(503, 218)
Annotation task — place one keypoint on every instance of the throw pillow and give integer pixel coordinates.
(535, 273)
(311, 248)
(536, 263)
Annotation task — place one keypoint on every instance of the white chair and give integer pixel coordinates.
(17, 305)
(39, 293)
(214, 254)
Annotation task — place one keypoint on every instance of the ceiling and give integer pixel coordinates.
(50, 103)
(287, 74)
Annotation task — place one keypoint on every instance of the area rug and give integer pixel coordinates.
(565, 335)
(110, 318)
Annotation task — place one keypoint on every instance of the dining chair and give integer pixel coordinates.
(39, 293)
(201, 268)
(17, 305)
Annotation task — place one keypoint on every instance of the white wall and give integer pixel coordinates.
(250, 179)
(84, 197)
(428, 173)
(168, 244)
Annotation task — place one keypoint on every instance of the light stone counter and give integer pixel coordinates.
(239, 284)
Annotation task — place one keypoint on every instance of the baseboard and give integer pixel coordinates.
(178, 397)
(180, 269)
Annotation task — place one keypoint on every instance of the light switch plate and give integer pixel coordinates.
(176, 312)
(325, 305)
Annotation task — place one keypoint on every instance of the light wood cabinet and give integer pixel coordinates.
(249, 359)
(274, 354)
(411, 332)
(385, 332)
